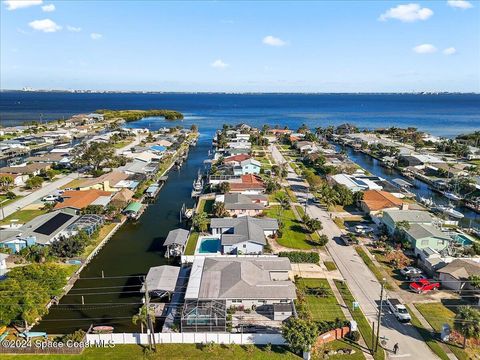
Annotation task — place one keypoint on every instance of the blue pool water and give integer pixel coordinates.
(208, 246)
(462, 239)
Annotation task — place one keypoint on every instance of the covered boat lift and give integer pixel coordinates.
(176, 242)
(161, 280)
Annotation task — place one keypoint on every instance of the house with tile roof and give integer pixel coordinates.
(76, 200)
(375, 201)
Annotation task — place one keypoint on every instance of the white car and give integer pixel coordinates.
(50, 198)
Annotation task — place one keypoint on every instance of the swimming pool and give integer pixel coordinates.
(463, 240)
(209, 246)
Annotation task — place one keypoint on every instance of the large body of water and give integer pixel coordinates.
(445, 115)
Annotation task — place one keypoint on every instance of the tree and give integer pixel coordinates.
(474, 280)
(283, 200)
(219, 209)
(34, 182)
(300, 334)
(313, 225)
(224, 187)
(142, 316)
(467, 323)
(6, 182)
(200, 221)
(398, 259)
(271, 186)
(71, 246)
(344, 195)
(95, 155)
(322, 240)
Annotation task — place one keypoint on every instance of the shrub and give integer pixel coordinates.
(301, 257)
(354, 336)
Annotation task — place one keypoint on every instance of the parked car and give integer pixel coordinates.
(399, 310)
(424, 285)
(362, 229)
(349, 239)
(410, 272)
(50, 198)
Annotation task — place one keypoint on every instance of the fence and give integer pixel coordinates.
(188, 338)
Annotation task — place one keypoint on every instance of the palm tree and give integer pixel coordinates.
(200, 221)
(219, 209)
(283, 200)
(142, 317)
(467, 323)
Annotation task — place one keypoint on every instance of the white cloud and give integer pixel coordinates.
(45, 25)
(425, 49)
(219, 64)
(48, 8)
(96, 36)
(73, 28)
(460, 4)
(273, 41)
(449, 51)
(407, 13)
(19, 4)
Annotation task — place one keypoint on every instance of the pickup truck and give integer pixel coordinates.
(423, 285)
(399, 310)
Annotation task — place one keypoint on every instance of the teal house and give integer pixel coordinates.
(426, 236)
(392, 217)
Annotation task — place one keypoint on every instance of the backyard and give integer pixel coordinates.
(321, 307)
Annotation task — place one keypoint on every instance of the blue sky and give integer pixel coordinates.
(281, 46)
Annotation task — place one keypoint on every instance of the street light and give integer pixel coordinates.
(380, 313)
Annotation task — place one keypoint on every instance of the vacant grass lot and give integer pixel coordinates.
(23, 216)
(294, 235)
(322, 308)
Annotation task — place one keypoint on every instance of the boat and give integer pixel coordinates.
(102, 329)
(32, 334)
(450, 211)
(451, 196)
(426, 201)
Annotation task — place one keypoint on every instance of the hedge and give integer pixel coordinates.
(301, 257)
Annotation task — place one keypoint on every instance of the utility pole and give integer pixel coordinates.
(379, 320)
(150, 329)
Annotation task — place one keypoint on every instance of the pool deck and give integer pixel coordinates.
(199, 242)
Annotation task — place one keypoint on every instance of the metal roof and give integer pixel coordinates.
(133, 206)
(161, 278)
(177, 236)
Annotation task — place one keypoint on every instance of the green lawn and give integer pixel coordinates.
(171, 351)
(123, 143)
(437, 314)
(206, 205)
(104, 231)
(321, 308)
(23, 216)
(191, 243)
(330, 265)
(4, 201)
(373, 268)
(363, 324)
(294, 235)
(429, 338)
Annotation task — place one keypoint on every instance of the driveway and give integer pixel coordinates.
(362, 283)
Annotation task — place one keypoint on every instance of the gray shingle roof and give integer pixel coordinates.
(245, 228)
(461, 268)
(177, 236)
(245, 278)
(409, 215)
(420, 231)
(240, 202)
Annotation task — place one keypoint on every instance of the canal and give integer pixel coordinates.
(136, 247)
(421, 189)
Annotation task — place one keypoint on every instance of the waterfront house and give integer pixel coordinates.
(175, 242)
(236, 159)
(42, 230)
(305, 146)
(248, 184)
(418, 160)
(75, 200)
(422, 236)
(455, 275)
(141, 168)
(250, 166)
(105, 182)
(354, 183)
(375, 201)
(243, 235)
(391, 218)
(122, 198)
(254, 283)
(238, 204)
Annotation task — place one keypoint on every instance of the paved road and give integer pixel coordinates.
(363, 284)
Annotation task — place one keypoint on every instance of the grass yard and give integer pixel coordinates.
(321, 308)
(330, 265)
(364, 326)
(437, 314)
(206, 205)
(191, 243)
(104, 231)
(171, 351)
(337, 345)
(4, 201)
(23, 216)
(123, 143)
(373, 268)
(294, 235)
(429, 338)
(73, 184)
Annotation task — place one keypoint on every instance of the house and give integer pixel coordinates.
(455, 275)
(423, 236)
(236, 159)
(375, 201)
(355, 183)
(305, 146)
(220, 283)
(243, 235)
(248, 184)
(390, 218)
(25, 169)
(105, 182)
(238, 204)
(76, 200)
(42, 230)
(175, 242)
(18, 179)
(141, 168)
(418, 160)
(250, 166)
(50, 158)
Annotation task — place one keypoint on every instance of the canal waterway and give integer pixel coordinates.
(127, 256)
(421, 189)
